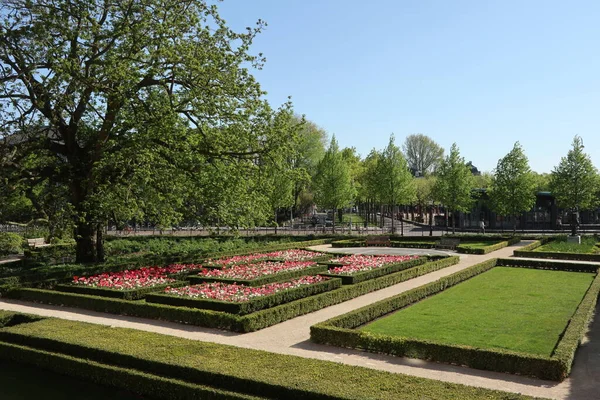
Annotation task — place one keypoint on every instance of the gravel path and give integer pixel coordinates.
(293, 337)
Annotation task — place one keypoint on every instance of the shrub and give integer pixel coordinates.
(464, 248)
(10, 243)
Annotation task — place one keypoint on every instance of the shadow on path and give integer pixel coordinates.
(585, 375)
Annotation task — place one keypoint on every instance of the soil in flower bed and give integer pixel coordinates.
(259, 273)
(517, 309)
(241, 299)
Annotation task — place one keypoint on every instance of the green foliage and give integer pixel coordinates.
(332, 181)
(513, 186)
(340, 330)
(574, 181)
(124, 356)
(123, 115)
(422, 154)
(250, 306)
(558, 249)
(10, 243)
(53, 254)
(454, 182)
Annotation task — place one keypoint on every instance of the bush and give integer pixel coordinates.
(10, 243)
(250, 306)
(53, 254)
(339, 331)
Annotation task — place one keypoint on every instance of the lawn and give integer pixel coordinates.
(518, 309)
(560, 245)
(479, 244)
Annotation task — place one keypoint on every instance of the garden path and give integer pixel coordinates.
(293, 337)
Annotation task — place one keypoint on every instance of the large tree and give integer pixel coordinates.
(513, 185)
(454, 183)
(422, 153)
(332, 182)
(574, 181)
(394, 178)
(138, 108)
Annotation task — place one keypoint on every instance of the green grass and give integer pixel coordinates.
(560, 245)
(357, 220)
(524, 310)
(20, 382)
(321, 379)
(479, 244)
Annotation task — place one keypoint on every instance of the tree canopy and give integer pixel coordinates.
(422, 153)
(140, 109)
(513, 185)
(574, 181)
(454, 182)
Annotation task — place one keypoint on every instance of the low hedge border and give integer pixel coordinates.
(528, 249)
(250, 306)
(377, 272)
(547, 264)
(463, 248)
(135, 381)
(72, 348)
(280, 277)
(133, 294)
(220, 320)
(559, 256)
(10, 318)
(340, 332)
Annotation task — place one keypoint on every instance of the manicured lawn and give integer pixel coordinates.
(560, 245)
(479, 244)
(516, 309)
(19, 382)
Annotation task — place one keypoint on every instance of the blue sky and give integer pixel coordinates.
(483, 74)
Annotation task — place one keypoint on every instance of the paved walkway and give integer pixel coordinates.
(293, 337)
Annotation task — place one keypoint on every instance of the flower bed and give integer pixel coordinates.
(259, 273)
(240, 299)
(350, 265)
(295, 255)
(233, 261)
(352, 274)
(128, 284)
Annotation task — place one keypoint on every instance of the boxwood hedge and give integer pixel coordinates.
(464, 248)
(377, 272)
(144, 363)
(132, 294)
(340, 331)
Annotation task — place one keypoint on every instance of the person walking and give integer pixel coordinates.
(482, 226)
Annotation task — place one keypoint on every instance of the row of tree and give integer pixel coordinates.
(387, 178)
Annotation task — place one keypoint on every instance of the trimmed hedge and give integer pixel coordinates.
(463, 248)
(53, 254)
(340, 331)
(132, 294)
(377, 272)
(250, 306)
(527, 252)
(220, 320)
(253, 372)
(550, 265)
(135, 381)
(263, 280)
(10, 318)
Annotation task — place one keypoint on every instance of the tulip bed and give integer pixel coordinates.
(282, 255)
(259, 273)
(355, 269)
(240, 299)
(129, 284)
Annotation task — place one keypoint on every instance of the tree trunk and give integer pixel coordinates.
(100, 257)
(453, 222)
(514, 224)
(84, 239)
